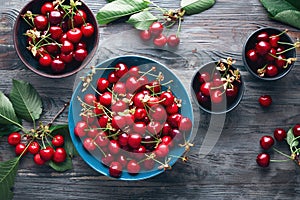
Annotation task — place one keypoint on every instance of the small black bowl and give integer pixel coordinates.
(20, 41)
(225, 106)
(250, 44)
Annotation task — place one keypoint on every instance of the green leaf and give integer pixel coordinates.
(196, 6)
(64, 131)
(8, 171)
(291, 17)
(276, 6)
(142, 20)
(120, 8)
(7, 112)
(7, 129)
(295, 3)
(290, 136)
(26, 101)
(61, 167)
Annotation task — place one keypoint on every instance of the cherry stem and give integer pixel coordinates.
(285, 31)
(179, 27)
(104, 154)
(282, 153)
(279, 160)
(59, 113)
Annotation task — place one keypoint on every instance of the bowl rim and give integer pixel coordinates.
(83, 154)
(277, 77)
(193, 93)
(40, 72)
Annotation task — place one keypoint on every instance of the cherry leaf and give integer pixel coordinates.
(142, 20)
(120, 8)
(290, 137)
(8, 171)
(26, 101)
(7, 112)
(196, 6)
(8, 129)
(61, 167)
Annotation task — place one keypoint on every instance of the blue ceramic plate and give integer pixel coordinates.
(93, 159)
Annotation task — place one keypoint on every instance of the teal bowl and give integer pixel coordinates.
(178, 89)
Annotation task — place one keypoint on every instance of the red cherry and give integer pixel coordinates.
(123, 139)
(47, 153)
(132, 84)
(160, 40)
(173, 41)
(167, 98)
(90, 99)
(89, 144)
(231, 92)
(174, 120)
(114, 147)
(87, 30)
(263, 159)
(162, 150)
(205, 88)
(217, 96)
(134, 140)
(172, 109)
(105, 99)
(121, 69)
(203, 99)
(149, 164)
(112, 78)
(280, 61)
(156, 28)
(296, 130)
(58, 140)
(57, 65)
(107, 160)
(80, 54)
(59, 155)
(38, 160)
(252, 55)
(145, 35)
(56, 32)
(102, 84)
(134, 71)
(66, 47)
(271, 55)
(80, 17)
(280, 134)
(81, 45)
(103, 121)
(265, 100)
(167, 140)
(262, 37)
(133, 167)
(14, 138)
(115, 169)
(74, 35)
(20, 148)
(119, 106)
(47, 8)
(55, 17)
(204, 77)
(274, 40)
(122, 160)
(185, 124)
(66, 58)
(271, 70)
(34, 147)
(118, 122)
(80, 128)
(266, 142)
(119, 88)
(140, 127)
(262, 47)
(40, 22)
(158, 113)
(52, 48)
(101, 139)
(154, 127)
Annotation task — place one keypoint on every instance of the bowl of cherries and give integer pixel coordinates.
(56, 39)
(131, 118)
(269, 53)
(217, 87)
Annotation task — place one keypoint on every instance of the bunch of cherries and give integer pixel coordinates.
(132, 123)
(35, 144)
(155, 33)
(214, 86)
(58, 34)
(267, 142)
(268, 55)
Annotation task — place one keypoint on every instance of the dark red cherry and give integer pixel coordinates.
(87, 30)
(80, 54)
(264, 36)
(115, 169)
(262, 47)
(205, 88)
(133, 167)
(263, 159)
(280, 62)
(80, 17)
(274, 40)
(280, 134)
(271, 70)
(266, 142)
(40, 22)
(160, 40)
(296, 130)
(265, 100)
(145, 35)
(57, 65)
(173, 41)
(55, 17)
(156, 28)
(47, 7)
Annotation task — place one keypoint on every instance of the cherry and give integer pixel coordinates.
(105, 99)
(89, 144)
(74, 35)
(274, 40)
(217, 96)
(167, 98)
(55, 17)
(34, 147)
(271, 70)
(139, 153)
(80, 17)
(114, 147)
(134, 71)
(122, 160)
(59, 155)
(204, 77)
(115, 169)
(138, 100)
(14, 138)
(232, 91)
(40, 22)
(280, 61)
(87, 30)
(58, 140)
(46, 8)
(52, 48)
(38, 160)
(121, 69)
(271, 55)
(118, 122)
(57, 65)
(158, 113)
(185, 124)
(133, 167)
(119, 106)
(166, 129)
(90, 99)
(81, 45)
(140, 113)
(173, 41)
(162, 150)
(20, 148)
(107, 159)
(266, 142)
(156, 28)
(123, 139)
(296, 130)
(203, 99)
(205, 88)
(102, 84)
(119, 88)
(79, 129)
(101, 139)
(262, 37)
(174, 120)
(80, 54)
(67, 58)
(149, 164)
(154, 127)
(160, 40)
(280, 134)
(167, 140)
(265, 100)
(172, 109)
(155, 86)
(262, 47)
(263, 159)
(132, 84)
(56, 32)
(252, 55)
(45, 60)
(112, 78)
(140, 127)
(66, 47)
(145, 35)
(103, 121)
(92, 133)
(47, 153)
(134, 140)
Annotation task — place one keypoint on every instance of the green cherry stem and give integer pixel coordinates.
(290, 157)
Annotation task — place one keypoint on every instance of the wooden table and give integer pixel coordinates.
(229, 170)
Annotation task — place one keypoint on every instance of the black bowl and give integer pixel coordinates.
(226, 105)
(250, 44)
(20, 41)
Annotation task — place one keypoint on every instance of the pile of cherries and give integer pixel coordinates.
(268, 55)
(155, 33)
(267, 142)
(53, 151)
(132, 123)
(217, 85)
(58, 35)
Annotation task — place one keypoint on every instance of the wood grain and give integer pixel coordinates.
(229, 171)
